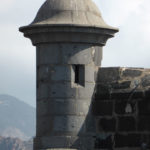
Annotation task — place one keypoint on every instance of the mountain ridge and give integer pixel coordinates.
(17, 118)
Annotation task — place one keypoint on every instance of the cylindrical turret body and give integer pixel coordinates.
(65, 86)
(68, 35)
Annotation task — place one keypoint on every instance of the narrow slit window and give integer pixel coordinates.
(79, 74)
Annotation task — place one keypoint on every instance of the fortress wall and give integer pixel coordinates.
(122, 109)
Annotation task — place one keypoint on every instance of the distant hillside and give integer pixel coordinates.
(17, 119)
(15, 144)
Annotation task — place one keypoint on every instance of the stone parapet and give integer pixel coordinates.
(122, 80)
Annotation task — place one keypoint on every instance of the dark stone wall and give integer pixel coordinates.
(122, 109)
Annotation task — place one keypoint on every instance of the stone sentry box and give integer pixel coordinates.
(69, 36)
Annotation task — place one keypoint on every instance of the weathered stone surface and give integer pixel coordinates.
(57, 141)
(102, 92)
(122, 109)
(126, 124)
(146, 80)
(147, 94)
(63, 107)
(121, 106)
(76, 54)
(48, 54)
(43, 90)
(104, 141)
(66, 33)
(132, 72)
(144, 123)
(144, 107)
(90, 126)
(121, 85)
(89, 73)
(107, 124)
(87, 91)
(102, 108)
(70, 12)
(106, 75)
(62, 73)
(43, 73)
(62, 90)
(67, 141)
(98, 55)
(127, 140)
(44, 125)
(68, 123)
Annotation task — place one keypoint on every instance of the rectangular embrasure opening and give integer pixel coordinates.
(79, 74)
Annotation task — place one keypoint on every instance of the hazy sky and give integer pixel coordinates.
(129, 48)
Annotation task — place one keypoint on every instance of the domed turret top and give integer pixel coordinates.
(76, 21)
(70, 12)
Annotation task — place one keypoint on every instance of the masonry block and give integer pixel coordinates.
(106, 75)
(127, 140)
(57, 141)
(62, 73)
(43, 90)
(87, 91)
(104, 142)
(47, 122)
(138, 94)
(107, 124)
(126, 123)
(121, 105)
(43, 73)
(144, 107)
(121, 85)
(68, 123)
(102, 92)
(70, 107)
(131, 73)
(145, 80)
(98, 55)
(89, 73)
(102, 108)
(76, 54)
(144, 123)
(120, 95)
(62, 90)
(51, 50)
(90, 124)
(147, 94)
(44, 107)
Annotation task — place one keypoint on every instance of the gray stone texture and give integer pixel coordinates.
(122, 109)
(45, 50)
(131, 72)
(68, 35)
(63, 107)
(69, 123)
(74, 12)
(106, 75)
(43, 90)
(116, 79)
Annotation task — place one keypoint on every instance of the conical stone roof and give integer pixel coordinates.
(77, 21)
(70, 12)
